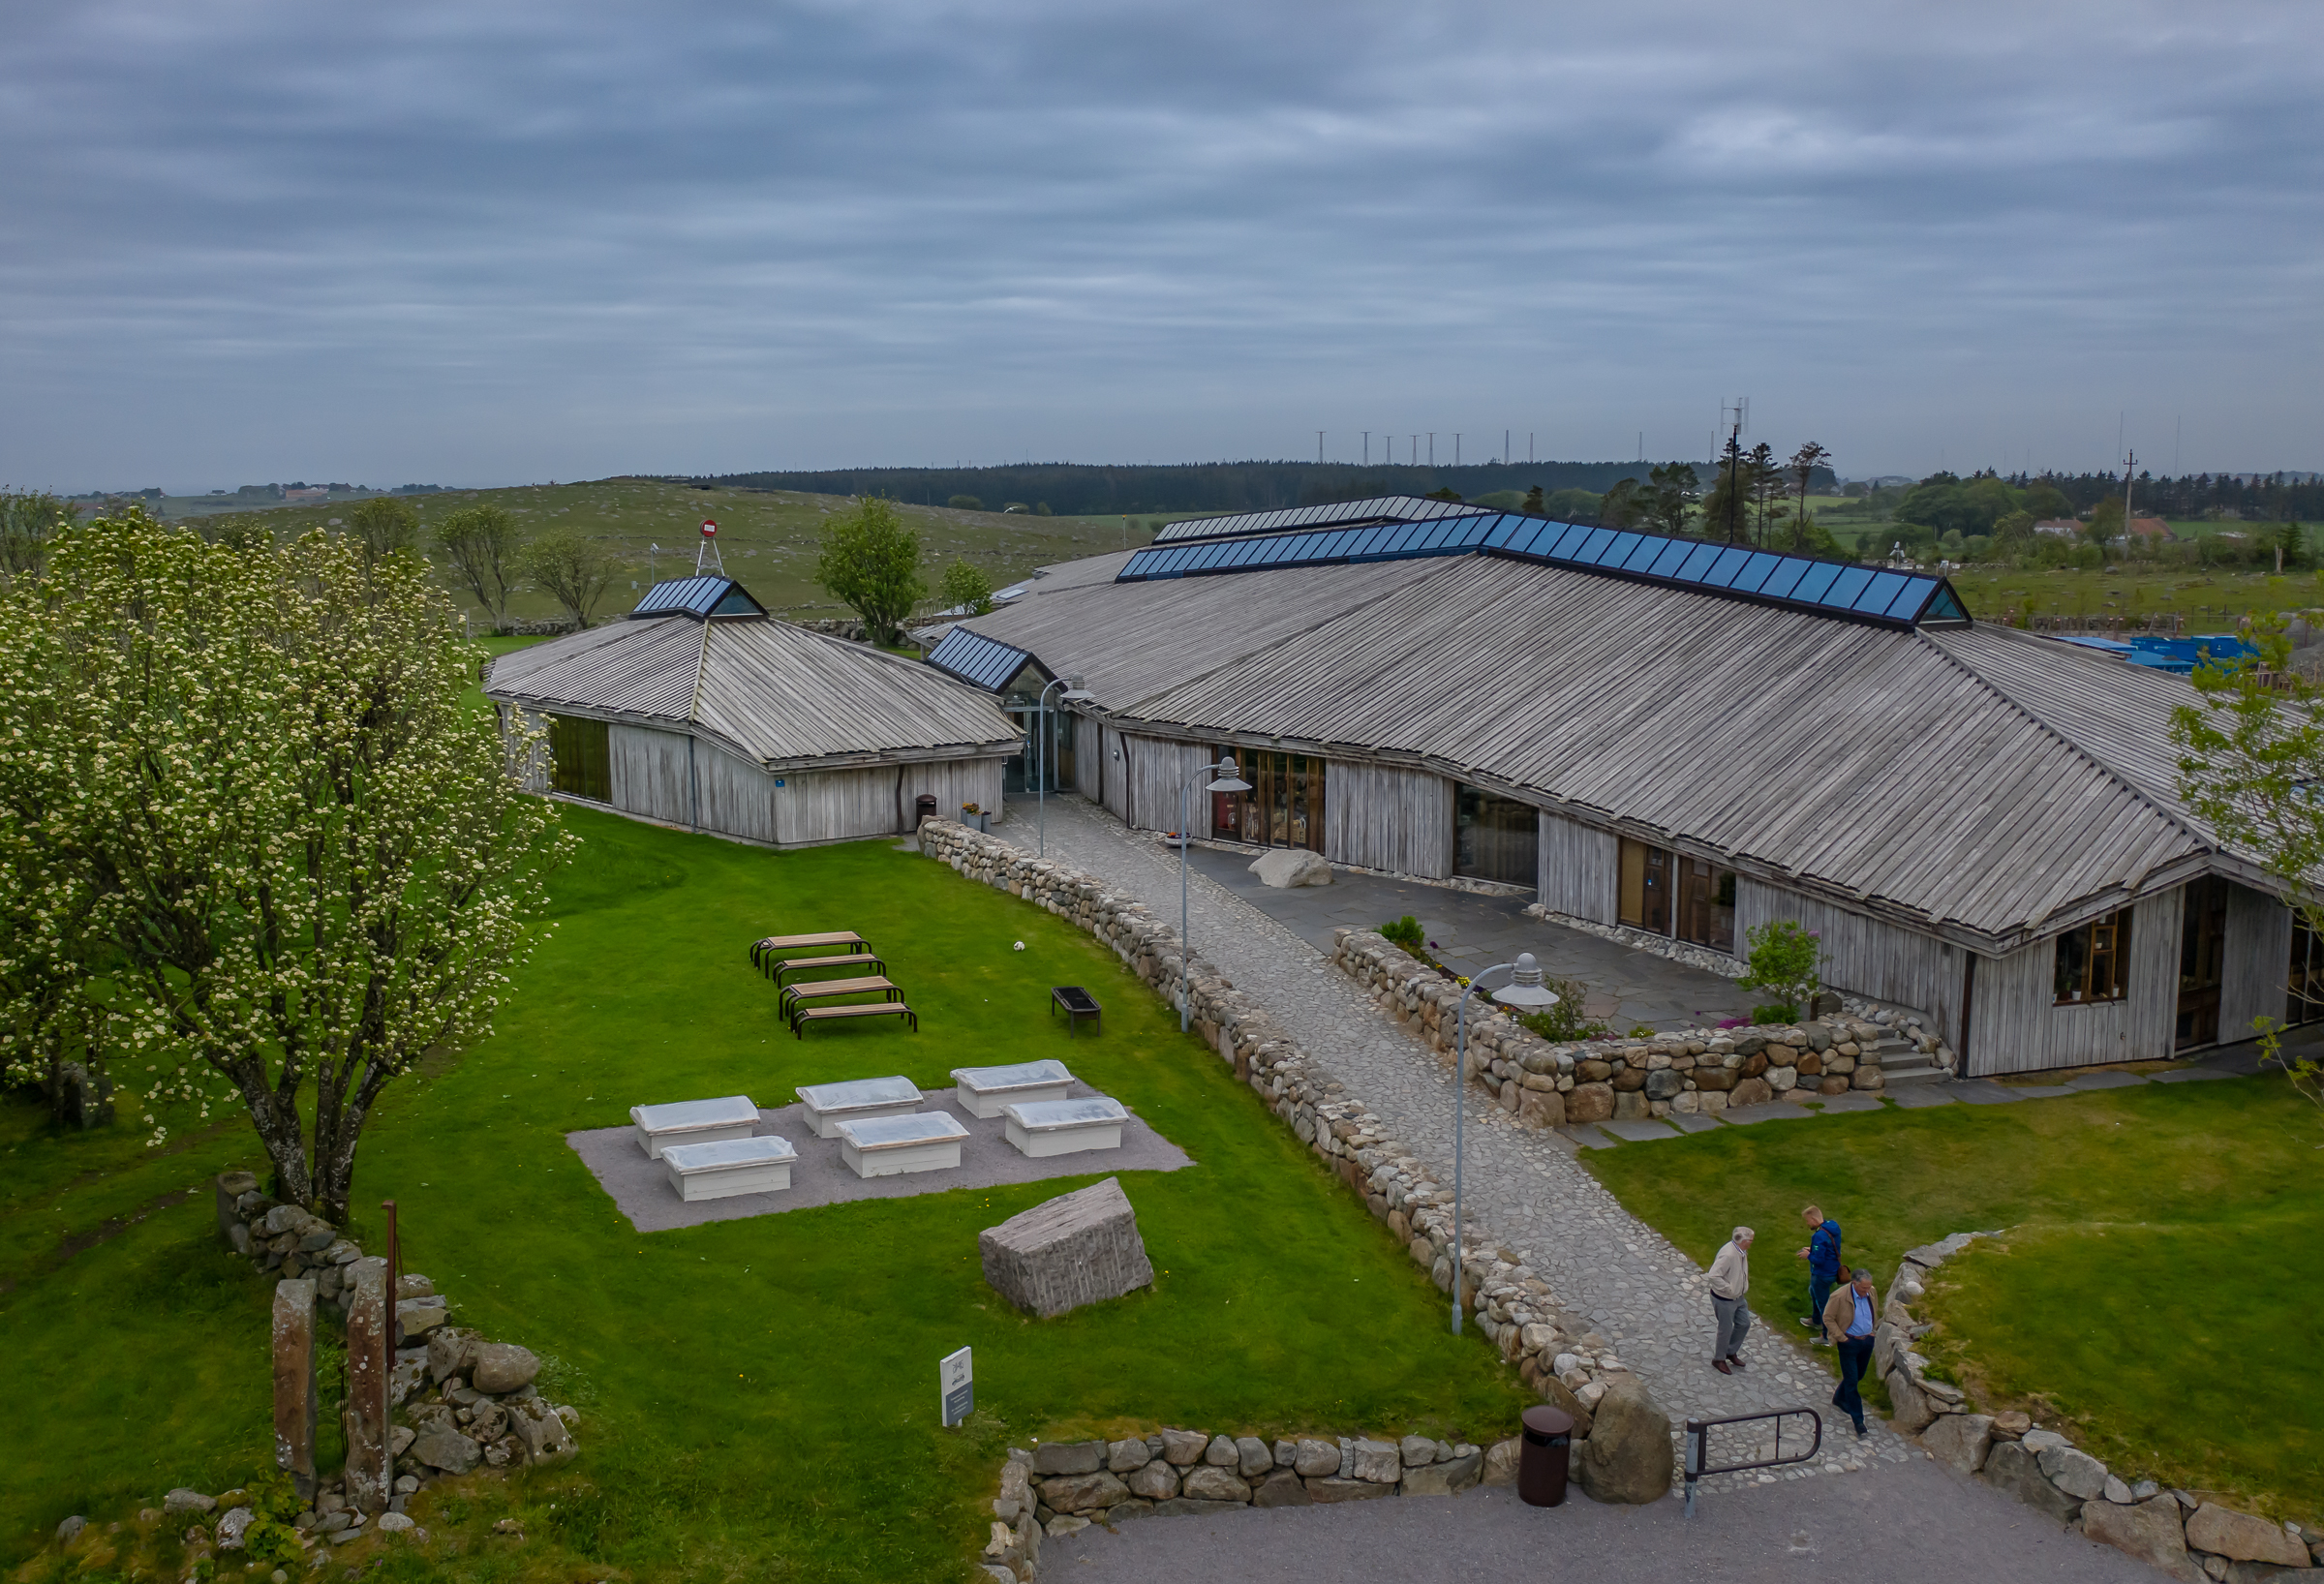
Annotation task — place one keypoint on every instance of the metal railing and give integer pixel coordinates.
(1698, 1445)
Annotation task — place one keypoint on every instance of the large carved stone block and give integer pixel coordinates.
(1081, 1248)
(294, 1403)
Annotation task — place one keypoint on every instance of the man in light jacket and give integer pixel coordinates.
(1850, 1316)
(1731, 1320)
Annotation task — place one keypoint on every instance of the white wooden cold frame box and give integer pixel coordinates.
(887, 1146)
(736, 1166)
(693, 1122)
(1065, 1127)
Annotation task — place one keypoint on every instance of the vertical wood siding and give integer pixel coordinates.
(736, 796)
(1383, 818)
(1579, 869)
(2256, 962)
(531, 767)
(951, 782)
(2016, 1027)
(833, 804)
(1157, 769)
(1866, 956)
(649, 773)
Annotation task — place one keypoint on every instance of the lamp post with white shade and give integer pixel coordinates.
(1229, 780)
(1074, 693)
(1527, 992)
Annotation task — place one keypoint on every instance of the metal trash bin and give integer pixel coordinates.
(924, 805)
(1542, 1460)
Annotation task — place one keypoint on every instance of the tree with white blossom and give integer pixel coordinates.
(258, 844)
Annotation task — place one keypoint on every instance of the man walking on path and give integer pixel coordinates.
(1731, 1320)
(1848, 1318)
(1822, 1255)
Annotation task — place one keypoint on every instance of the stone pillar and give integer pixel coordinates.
(295, 1404)
(370, 1459)
(229, 1187)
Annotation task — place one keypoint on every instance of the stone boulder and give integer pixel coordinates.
(1447, 1479)
(1913, 1412)
(1079, 1248)
(1960, 1440)
(1381, 1462)
(183, 1500)
(1080, 1492)
(1282, 1488)
(1184, 1446)
(543, 1436)
(2239, 1537)
(1155, 1481)
(1124, 1456)
(1501, 1461)
(1315, 1459)
(446, 1450)
(501, 1367)
(1209, 1484)
(1627, 1457)
(1286, 866)
(2009, 1468)
(1751, 1092)
(2073, 1471)
(2151, 1532)
(1590, 1103)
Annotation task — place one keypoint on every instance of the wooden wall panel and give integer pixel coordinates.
(531, 768)
(650, 772)
(1864, 954)
(1580, 870)
(951, 782)
(2016, 1026)
(736, 796)
(1156, 768)
(835, 805)
(2256, 962)
(1387, 818)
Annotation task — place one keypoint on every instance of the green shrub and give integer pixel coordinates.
(1775, 1012)
(1565, 1020)
(1783, 959)
(1406, 932)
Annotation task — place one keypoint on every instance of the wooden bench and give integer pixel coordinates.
(797, 996)
(766, 944)
(861, 1009)
(776, 967)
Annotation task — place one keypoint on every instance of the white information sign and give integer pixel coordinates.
(957, 1379)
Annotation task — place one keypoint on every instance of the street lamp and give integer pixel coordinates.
(1525, 989)
(1229, 780)
(1074, 692)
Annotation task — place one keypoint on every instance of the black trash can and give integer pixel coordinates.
(1541, 1461)
(926, 805)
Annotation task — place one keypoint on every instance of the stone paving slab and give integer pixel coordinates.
(2192, 1074)
(2040, 1091)
(2106, 1080)
(1524, 1187)
(1637, 1131)
(1920, 1096)
(1694, 1124)
(1774, 1111)
(1984, 1091)
(1588, 1136)
(1853, 1100)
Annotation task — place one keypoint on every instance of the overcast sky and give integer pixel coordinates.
(497, 242)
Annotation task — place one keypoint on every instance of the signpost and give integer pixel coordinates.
(957, 1378)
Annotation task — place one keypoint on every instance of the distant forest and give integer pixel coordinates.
(1079, 490)
(2281, 497)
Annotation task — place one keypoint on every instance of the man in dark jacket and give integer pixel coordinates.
(1822, 1255)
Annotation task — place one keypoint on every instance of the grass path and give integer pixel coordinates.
(760, 1395)
(2157, 1290)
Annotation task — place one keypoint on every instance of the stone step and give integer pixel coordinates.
(1931, 1073)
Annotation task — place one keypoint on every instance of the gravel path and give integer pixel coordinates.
(1522, 1187)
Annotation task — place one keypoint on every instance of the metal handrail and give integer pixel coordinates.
(1698, 1442)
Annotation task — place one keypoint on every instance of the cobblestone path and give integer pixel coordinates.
(1521, 1186)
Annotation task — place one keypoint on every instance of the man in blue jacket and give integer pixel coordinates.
(1822, 1255)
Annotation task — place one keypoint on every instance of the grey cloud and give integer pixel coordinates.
(513, 241)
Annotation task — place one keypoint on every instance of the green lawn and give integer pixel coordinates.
(2157, 1290)
(760, 1395)
(2210, 602)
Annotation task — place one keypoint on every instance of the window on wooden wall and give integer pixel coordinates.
(2305, 1004)
(2202, 962)
(1706, 905)
(1284, 806)
(583, 758)
(1496, 839)
(1645, 887)
(2093, 962)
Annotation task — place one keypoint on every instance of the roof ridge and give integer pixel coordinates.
(694, 696)
(2170, 816)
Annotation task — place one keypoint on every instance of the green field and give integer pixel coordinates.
(760, 1396)
(2156, 1294)
(2206, 601)
(767, 537)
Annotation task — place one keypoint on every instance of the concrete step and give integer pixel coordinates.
(1919, 1071)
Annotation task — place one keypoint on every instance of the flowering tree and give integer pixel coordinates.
(253, 834)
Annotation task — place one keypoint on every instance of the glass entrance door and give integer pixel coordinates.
(2202, 956)
(1496, 839)
(1284, 806)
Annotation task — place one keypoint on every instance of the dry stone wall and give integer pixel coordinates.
(1556, 1353)
(1683, 1073)
(2176, 1531)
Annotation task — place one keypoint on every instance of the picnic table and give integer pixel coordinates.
(1077, 1004)
(765, 944)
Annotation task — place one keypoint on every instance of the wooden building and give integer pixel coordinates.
(1685, 738)
(700, 711)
